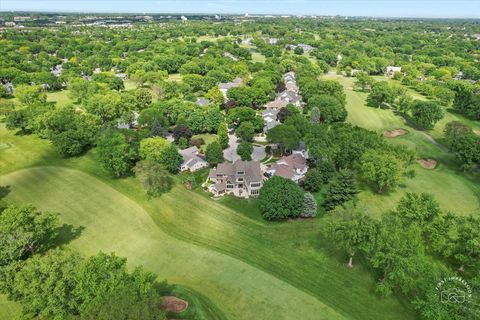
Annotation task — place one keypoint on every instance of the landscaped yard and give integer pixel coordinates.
(189, 239)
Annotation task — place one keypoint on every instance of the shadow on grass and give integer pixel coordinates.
(66, 234)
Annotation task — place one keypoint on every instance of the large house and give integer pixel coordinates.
(191, 160)
(392, 69)
(293, 167)
(241, 178)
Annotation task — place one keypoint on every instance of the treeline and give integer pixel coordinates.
(53, 283)
(411, 249)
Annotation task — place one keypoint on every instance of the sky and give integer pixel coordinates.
(374, 8)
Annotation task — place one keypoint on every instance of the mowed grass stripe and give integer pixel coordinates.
(115, 223)
(291, 251)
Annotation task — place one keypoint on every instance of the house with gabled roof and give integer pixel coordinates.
(241, 179)
(224, 87)
(293, 167)
(191, 160)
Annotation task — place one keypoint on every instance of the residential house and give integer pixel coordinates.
(290, 97)
(276, 104)
(270, 119)
(202, 102)
(392, 69)
(57, 70)
(224, 87)
(122, 76)
(192, 161)
(293, 167)
(9, 87)
(241, 178)
(272, 40)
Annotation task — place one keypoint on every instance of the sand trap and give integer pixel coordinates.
(477, 132)
(395, 133)
(427, 163)
(173, 304)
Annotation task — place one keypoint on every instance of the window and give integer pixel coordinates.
(240, 173)
(240, 179)
(229, 186)
(254, 192)
(255, 185)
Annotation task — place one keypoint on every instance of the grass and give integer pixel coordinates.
(8, 309)
(247, 268)
(446, 182)
(61, 98)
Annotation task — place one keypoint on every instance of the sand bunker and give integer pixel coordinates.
(173, 304)
(395, 133)
(427, 163)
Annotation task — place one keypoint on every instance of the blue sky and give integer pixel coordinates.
(386, 8)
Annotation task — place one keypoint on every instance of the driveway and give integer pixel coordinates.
(230, 153)
(258, 153)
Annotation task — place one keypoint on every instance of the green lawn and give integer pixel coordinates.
(60, 97)
(246, 267)
(446, 181)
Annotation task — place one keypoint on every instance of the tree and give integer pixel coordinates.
(280, 198)
(222, 134)
(341, 189)
(244, 150)
(25, 231)
(318, 176)
(381, 169)
(298, 50)
(154, 177)
(152, 148)
(331, 109)
(71, 132)
(171, 159)
(214, 153)
(466, 248)
(356, 234)
(245, 131)
(29, 95)
(238, 115)
(381, 95)
(309, 206)
(426, 113)
(315, 115)
(181, 131)
(157, 130)
(143, 98)
(286, 136)
(115, 154)
(45, 284)
(215, 95)
(283, 115)
(125, 303)
(464, 143)
(363, 81)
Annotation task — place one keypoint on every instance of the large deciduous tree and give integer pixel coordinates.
(280, 198)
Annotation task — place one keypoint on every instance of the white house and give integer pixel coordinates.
(241, 178)
(192, 161)
(293, 167)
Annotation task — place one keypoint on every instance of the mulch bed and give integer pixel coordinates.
(427, 163)
(395, 133)
(173, 304)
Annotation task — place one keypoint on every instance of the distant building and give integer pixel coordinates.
(392, 69)
(191, 160)
(229, 55)
(10, 24)
(241, 178)
(122, 76)
(224, 87)
(272, 40)
(202, 102)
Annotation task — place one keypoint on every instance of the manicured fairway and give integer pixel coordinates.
(113, 222)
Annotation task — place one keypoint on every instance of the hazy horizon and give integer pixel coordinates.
(386, 9)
